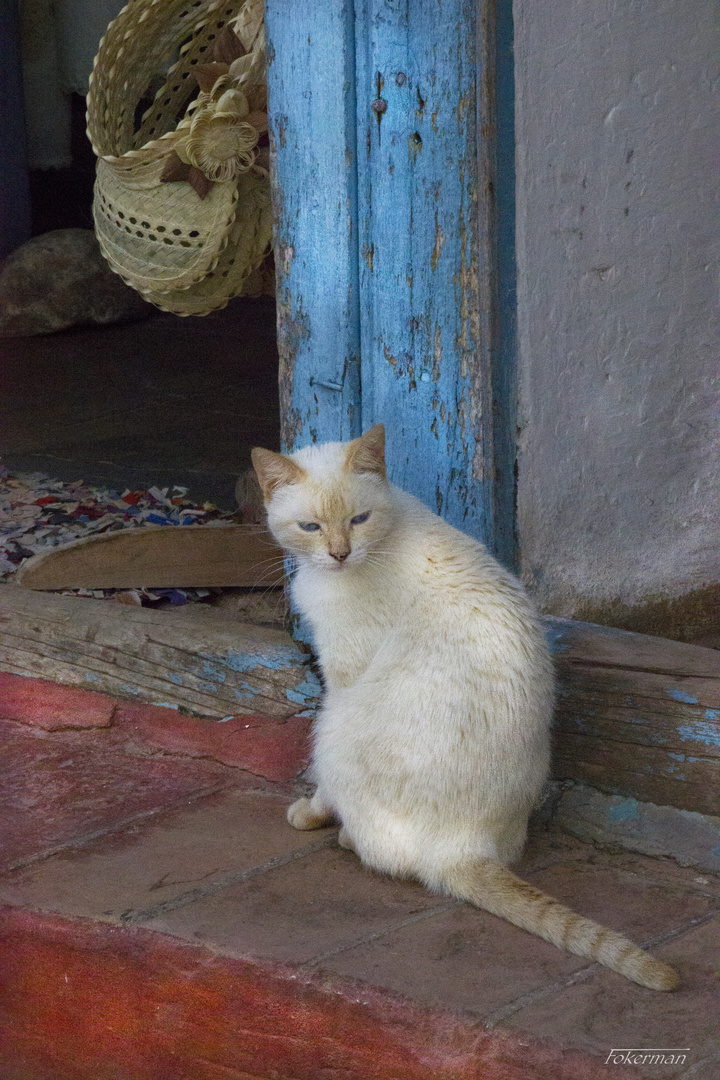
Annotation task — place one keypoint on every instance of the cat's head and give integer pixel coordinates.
(329, 504)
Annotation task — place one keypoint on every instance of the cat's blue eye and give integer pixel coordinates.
(359, 518)
(309, 526)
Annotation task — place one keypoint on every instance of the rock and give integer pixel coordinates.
(60, 279)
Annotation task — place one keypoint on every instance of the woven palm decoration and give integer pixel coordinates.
(176, 106)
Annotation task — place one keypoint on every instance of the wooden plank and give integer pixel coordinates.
(425, 249)
(637, 715)
(590, 644)
(184, 658)
(160, 557)
(311, 95)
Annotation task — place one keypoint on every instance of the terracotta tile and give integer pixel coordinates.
(300, 910)
(550, 845)
(55, 788)
(462, 958)
(51, 706)
(628, 901)
(607, 1012)
(466, 958)
(275, 749)
(177, 853)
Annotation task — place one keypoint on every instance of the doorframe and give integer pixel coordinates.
(342, 322)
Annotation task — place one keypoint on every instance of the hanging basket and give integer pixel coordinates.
(176, 108)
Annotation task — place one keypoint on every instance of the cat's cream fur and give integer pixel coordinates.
(432, 744)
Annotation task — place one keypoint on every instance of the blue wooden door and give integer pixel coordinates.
(380, 129)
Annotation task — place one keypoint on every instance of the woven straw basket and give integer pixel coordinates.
(182, 199)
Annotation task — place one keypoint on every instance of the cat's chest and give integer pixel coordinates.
(350, 621)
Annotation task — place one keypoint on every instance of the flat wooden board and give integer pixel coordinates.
(160, 557)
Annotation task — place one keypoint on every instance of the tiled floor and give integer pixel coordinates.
(102, 827)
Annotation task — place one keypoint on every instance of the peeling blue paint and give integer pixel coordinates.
(624, 810)
(306, 691)
(555, 637)
(284, 656)
(700, 731)
(680, 695)
(166, 705)
(243, 662)
(175, 678)
(245, 692)
(213, 673)
(92, 678)
(712, 714)
(382, 274)
(129, 689)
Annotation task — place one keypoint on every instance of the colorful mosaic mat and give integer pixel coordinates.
(38, 513)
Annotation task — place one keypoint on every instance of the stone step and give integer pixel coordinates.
(163, 922)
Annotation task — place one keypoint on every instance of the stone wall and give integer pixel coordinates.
(615, 294)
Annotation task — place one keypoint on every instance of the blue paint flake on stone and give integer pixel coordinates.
(624, 810)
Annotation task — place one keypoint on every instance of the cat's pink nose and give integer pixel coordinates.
(340, 555)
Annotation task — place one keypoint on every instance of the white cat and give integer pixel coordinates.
(432, 744)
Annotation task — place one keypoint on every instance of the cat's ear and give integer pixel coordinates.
(274, 471)
(367, 454)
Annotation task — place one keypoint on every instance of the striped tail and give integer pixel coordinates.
(489, 885)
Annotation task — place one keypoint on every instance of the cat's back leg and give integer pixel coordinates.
(310, 813)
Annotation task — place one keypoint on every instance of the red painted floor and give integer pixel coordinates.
(162, 921)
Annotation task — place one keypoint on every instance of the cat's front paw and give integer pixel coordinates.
(307, 814)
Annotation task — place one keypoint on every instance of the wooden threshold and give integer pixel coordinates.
(187, 657)
(637, 716)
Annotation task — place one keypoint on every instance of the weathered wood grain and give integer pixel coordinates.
(383, 237)
(186, 658)
(425, 273)
(159, 557)
(637, 715)
(311, 96)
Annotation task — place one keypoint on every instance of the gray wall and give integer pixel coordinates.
(615, 300)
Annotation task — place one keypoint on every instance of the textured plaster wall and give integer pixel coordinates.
(615, 300)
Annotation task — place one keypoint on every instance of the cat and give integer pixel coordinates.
(432, 744)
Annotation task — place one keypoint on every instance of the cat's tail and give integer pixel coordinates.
(489, 885)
